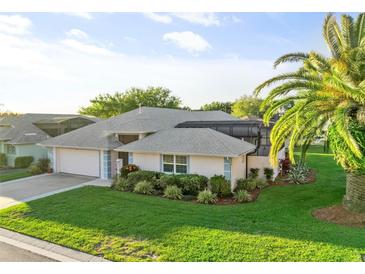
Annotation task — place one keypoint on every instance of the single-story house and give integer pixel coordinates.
(149, 137)
(19, 134)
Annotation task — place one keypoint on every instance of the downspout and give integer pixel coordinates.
(247, 154)
(254, 151)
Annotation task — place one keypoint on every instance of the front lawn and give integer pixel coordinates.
(131, 227)
(13, 174)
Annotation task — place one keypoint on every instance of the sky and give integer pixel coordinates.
(57, 62)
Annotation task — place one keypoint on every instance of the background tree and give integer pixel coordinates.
(223, 106)
(108, 105)
(5, 112)
(247, 106)
(328, 93)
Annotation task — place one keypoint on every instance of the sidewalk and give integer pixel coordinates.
(47, 249)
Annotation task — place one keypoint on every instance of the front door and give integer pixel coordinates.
(124, 157)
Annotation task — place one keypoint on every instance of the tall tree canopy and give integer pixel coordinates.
(108, 105)
(328, 93)
(247, 106)
(215, 105)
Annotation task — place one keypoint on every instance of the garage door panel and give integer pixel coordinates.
(78, 161)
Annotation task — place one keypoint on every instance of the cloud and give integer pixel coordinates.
(236, 20)
(77, 34)
(41, 76)
(205, 19)
(165, 19)
(84, 15)
(188, 41)
(86, 48)
(129, 39)
(14, 24)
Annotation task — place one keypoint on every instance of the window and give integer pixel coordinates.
(10, 149)
(175, 164)
(227, 168)
(130, 158)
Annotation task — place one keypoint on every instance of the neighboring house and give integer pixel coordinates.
(149, 138)
(19, 134)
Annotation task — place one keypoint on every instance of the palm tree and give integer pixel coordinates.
(328, 94)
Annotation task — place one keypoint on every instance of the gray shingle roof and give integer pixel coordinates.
(101, 135)
(192, 141)
(21, 129)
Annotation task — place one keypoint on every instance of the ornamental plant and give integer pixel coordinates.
(324, 94)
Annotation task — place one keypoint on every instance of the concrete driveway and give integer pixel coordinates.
(36, 187)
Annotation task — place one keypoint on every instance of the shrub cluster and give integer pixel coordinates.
(269, 173)
(173, 192)
(242, 196)
(207, 197)
(23, 161)
(144, 175)
(3, 160)
(246, 184)
(42, 166)
(144, 187)
(254, 173)
(34, 170)
(124, 171)
(190, 184)
(220, 186)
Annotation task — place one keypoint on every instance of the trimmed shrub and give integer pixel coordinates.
(122, 184)
(254, 173)
(246, 184)
(260, 183)
(3, 161)
(169, 180)
(143, 175)
(173, 192)
(269, 173)
(242, 196)
(43, 164)
(124, 171)
(144, 187)
(23, 161)
(191, 184)
(220, 186)
(207, 197)
(34, 170)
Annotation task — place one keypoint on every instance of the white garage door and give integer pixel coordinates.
(79, 161)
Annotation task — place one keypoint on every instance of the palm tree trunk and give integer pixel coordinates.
(354, 199)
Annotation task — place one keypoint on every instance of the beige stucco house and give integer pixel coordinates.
(154, 139)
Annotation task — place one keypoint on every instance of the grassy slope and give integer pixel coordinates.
(12, 174)
(127, 226)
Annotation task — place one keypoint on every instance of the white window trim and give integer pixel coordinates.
(174, 164)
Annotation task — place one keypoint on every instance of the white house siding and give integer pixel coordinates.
(147, 161)
(238, 169)
(203, 165)
(264, 161)
(207, 165)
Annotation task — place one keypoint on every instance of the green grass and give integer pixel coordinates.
(13, 174)
(131, 227)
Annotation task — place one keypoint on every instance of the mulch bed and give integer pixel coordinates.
(339, 215)
(231, 201)
(282, 180)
